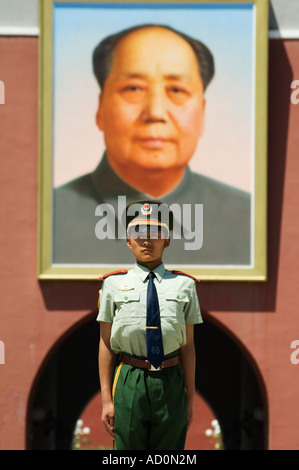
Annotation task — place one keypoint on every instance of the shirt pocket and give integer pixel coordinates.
(175, 303)
(126, 307)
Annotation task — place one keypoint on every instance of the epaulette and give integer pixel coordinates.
(185, 274)
(120, 271)
(99, 298)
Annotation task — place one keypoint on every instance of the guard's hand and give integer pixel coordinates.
(108, 418)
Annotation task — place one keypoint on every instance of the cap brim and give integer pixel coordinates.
(147, 222)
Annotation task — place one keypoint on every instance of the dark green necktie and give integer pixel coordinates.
(154, 345)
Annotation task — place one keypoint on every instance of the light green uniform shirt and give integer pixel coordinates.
(123, 303)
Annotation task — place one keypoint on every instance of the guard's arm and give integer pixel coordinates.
(187, 356)
(106, 369)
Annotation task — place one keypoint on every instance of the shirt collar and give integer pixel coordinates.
(143, 272)
(108, 186)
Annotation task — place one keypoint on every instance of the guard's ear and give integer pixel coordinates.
(129, 243)
(166, 242)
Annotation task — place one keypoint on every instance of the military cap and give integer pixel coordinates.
(140, 216)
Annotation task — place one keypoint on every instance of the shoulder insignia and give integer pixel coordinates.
(185, 274)
(120, 271)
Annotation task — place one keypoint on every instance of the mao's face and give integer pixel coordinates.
(152, 108)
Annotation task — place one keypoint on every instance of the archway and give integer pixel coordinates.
(226, 378)
(66, 381)
(229, 380)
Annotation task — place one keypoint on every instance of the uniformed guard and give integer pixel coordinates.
(146, 316)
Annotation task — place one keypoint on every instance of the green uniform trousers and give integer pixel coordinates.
(150, 408)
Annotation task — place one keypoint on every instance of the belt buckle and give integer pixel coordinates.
(154, 369)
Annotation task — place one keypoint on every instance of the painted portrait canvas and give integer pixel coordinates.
(157, 101)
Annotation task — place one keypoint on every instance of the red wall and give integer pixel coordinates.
(35, 315)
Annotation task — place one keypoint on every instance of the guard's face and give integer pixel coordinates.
(148, 249)
(152, 108)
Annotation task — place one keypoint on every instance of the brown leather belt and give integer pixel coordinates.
(143, 364)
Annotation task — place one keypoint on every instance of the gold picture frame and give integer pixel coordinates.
(51, 11)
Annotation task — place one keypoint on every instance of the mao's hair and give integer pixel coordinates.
(103, 54)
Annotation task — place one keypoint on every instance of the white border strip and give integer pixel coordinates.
(19, 31)
(284, 34)
(34, 31)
